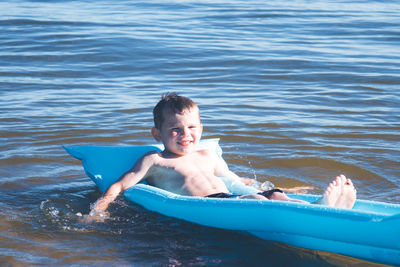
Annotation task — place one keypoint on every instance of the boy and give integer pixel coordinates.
(183, 170)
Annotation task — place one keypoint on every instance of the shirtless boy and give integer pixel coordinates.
(181, 169)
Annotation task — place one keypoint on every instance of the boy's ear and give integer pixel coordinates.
(201, 129)
(156, 134)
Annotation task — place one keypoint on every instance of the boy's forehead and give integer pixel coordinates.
(172, 115)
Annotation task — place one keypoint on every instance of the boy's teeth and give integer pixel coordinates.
(185, 142)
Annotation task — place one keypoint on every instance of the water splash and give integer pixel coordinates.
(61, 215)
(266, 185)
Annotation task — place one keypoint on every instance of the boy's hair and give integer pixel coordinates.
(170, 102)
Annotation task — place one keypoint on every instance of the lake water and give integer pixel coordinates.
(298, 91)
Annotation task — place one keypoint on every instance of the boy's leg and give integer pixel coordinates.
(330, 197)
(274, 196)
(339, 193)
(282, 196)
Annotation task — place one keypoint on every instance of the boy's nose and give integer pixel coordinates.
(185, 131)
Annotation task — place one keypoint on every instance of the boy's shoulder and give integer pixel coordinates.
(151, 155)
(207, 152)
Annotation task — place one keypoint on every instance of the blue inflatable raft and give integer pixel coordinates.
(370, 231)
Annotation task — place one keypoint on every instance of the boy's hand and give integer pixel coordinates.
(97, 211)
(100, 206)
(94, 216)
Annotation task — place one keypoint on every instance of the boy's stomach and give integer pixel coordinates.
(193, 185)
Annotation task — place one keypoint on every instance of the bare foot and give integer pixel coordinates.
(332, 193)
(347, 198)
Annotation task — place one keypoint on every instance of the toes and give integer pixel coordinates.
(342, 179)
(349, 182)
(331, 186)
(339, 180)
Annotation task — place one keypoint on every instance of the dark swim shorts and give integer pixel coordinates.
(223, 195)
(269, 193)
(266, 194)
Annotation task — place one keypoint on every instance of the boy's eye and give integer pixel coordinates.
(176, 130)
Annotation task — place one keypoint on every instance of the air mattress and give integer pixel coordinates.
(370, 231)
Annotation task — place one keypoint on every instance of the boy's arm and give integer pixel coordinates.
(222, 170)
(129, 179)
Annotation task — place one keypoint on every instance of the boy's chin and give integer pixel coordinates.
(182, 151)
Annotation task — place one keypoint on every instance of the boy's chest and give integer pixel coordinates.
(187, 166)
(182, 167)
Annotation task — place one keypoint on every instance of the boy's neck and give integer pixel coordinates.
(168, 154)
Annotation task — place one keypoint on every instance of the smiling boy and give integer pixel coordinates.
(182, 169)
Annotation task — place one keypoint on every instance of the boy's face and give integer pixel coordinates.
(180, 133)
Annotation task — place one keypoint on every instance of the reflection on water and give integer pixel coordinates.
(298, 92)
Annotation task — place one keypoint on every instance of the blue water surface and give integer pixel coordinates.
(298, 92)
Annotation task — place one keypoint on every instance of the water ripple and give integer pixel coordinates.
(297, 91)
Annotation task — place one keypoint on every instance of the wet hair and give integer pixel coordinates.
(170, 102)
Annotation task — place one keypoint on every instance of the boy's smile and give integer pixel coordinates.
(180, 132)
